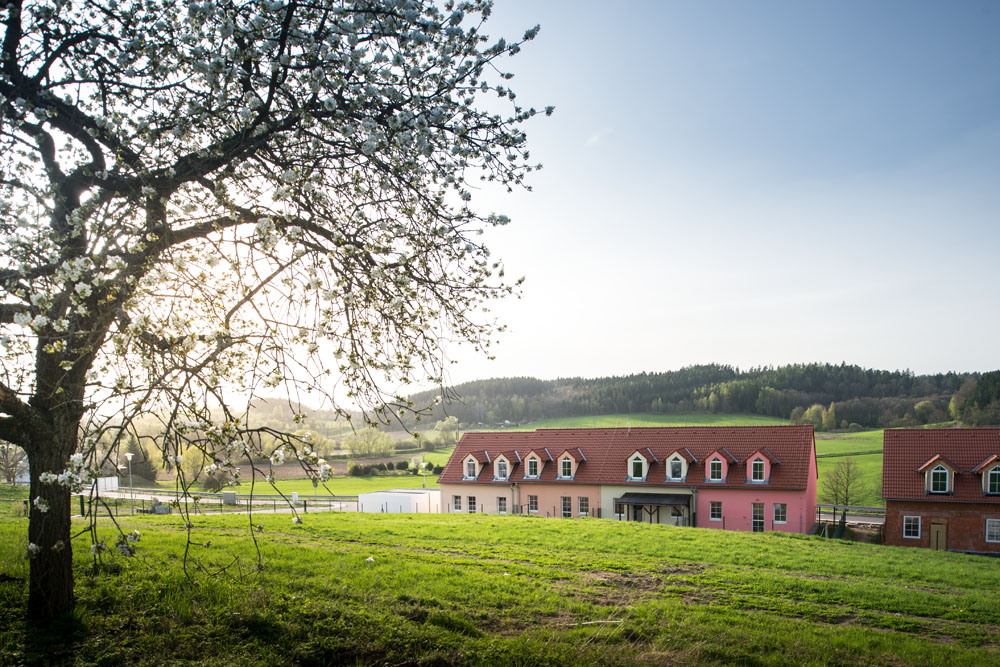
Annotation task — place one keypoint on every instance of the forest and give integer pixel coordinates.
(827, 395)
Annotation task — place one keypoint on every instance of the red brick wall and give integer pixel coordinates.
(966, 524)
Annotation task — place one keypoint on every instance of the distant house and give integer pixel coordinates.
(752, 478)
(942, 488)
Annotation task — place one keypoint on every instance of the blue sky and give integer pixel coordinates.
(753, 183)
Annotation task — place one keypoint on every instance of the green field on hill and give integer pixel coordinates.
(650, 419)
(447, 589)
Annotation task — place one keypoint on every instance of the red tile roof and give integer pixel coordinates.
(905, 451)
(605, 453)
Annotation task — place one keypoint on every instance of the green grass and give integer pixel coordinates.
(445, 589)
(842, 444)
(649, 419)
(871, 469)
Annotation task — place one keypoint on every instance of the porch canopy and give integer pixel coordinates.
(661, 499)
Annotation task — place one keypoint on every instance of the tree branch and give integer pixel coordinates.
(9, 310)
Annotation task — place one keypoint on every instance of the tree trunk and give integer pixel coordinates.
(50, 582)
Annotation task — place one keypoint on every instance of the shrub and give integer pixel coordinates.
(402, 465)
(855, 427)
(438, 470)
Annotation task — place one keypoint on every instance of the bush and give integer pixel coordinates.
(438, 470)
(402, 465)
(855, 427)
(355, 470)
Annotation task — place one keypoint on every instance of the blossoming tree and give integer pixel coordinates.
(201, 201)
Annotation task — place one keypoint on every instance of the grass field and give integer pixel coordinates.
(446, 589)
(649, 419)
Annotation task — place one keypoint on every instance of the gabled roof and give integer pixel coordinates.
(906, 452)
(482, 457)
(607, 450)
(726, 454)
(575, 452)
(766, 453)
(512, 456)
(685, 454)
(645, 453)
(934, 460)
(986, 463)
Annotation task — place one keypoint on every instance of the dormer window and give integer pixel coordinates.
(566, 467)
(676, 469)
(501, 469)
(532, 467)
(470, 468)
(715, 470)
(637, 466)
(757, 470)
(993, 480)
(939, 480)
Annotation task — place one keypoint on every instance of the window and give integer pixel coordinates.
(993, 530)
(501, 505)
(715, 510)
(780, 513)
(567, 467)
(757, 470)
(619, 508)
(584, 503)
(532, 467)
(715, 470)
(676, 469)
(637, 468)
(456, 502)
(501, 470)
(472, 504)
(911, 526)
(757, 515)
(939, 480)
(470, 468)
(567, 507)
(993, 481)
(532, 503)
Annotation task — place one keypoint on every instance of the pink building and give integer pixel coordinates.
(737, 477)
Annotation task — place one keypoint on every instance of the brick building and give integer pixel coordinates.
(752, 478)
(942, 488)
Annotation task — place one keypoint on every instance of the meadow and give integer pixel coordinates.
(475, 589)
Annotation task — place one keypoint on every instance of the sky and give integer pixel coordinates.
(752, 183)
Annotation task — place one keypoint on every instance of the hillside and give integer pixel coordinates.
(461, 589)
(868, 397)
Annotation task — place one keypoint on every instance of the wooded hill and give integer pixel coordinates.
(843, 395)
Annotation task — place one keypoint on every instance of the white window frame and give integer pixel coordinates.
(532, 463)
(532, 503)
(670, 465)
(456, 503)
(470, 469)
(993, 473)
(996, 529)
(502, 474)
(711, 470)
(939, 468)
(712, 505)
(919, 527)
(501, 505)
(642, 467)
(567, 506)
(564, 464)
(583, 505)
(753, 470)
(472, 504)
(754, 519)
(784, 513)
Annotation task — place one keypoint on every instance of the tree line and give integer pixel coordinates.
(829, 396)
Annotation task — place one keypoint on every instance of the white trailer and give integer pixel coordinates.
(401, 501)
